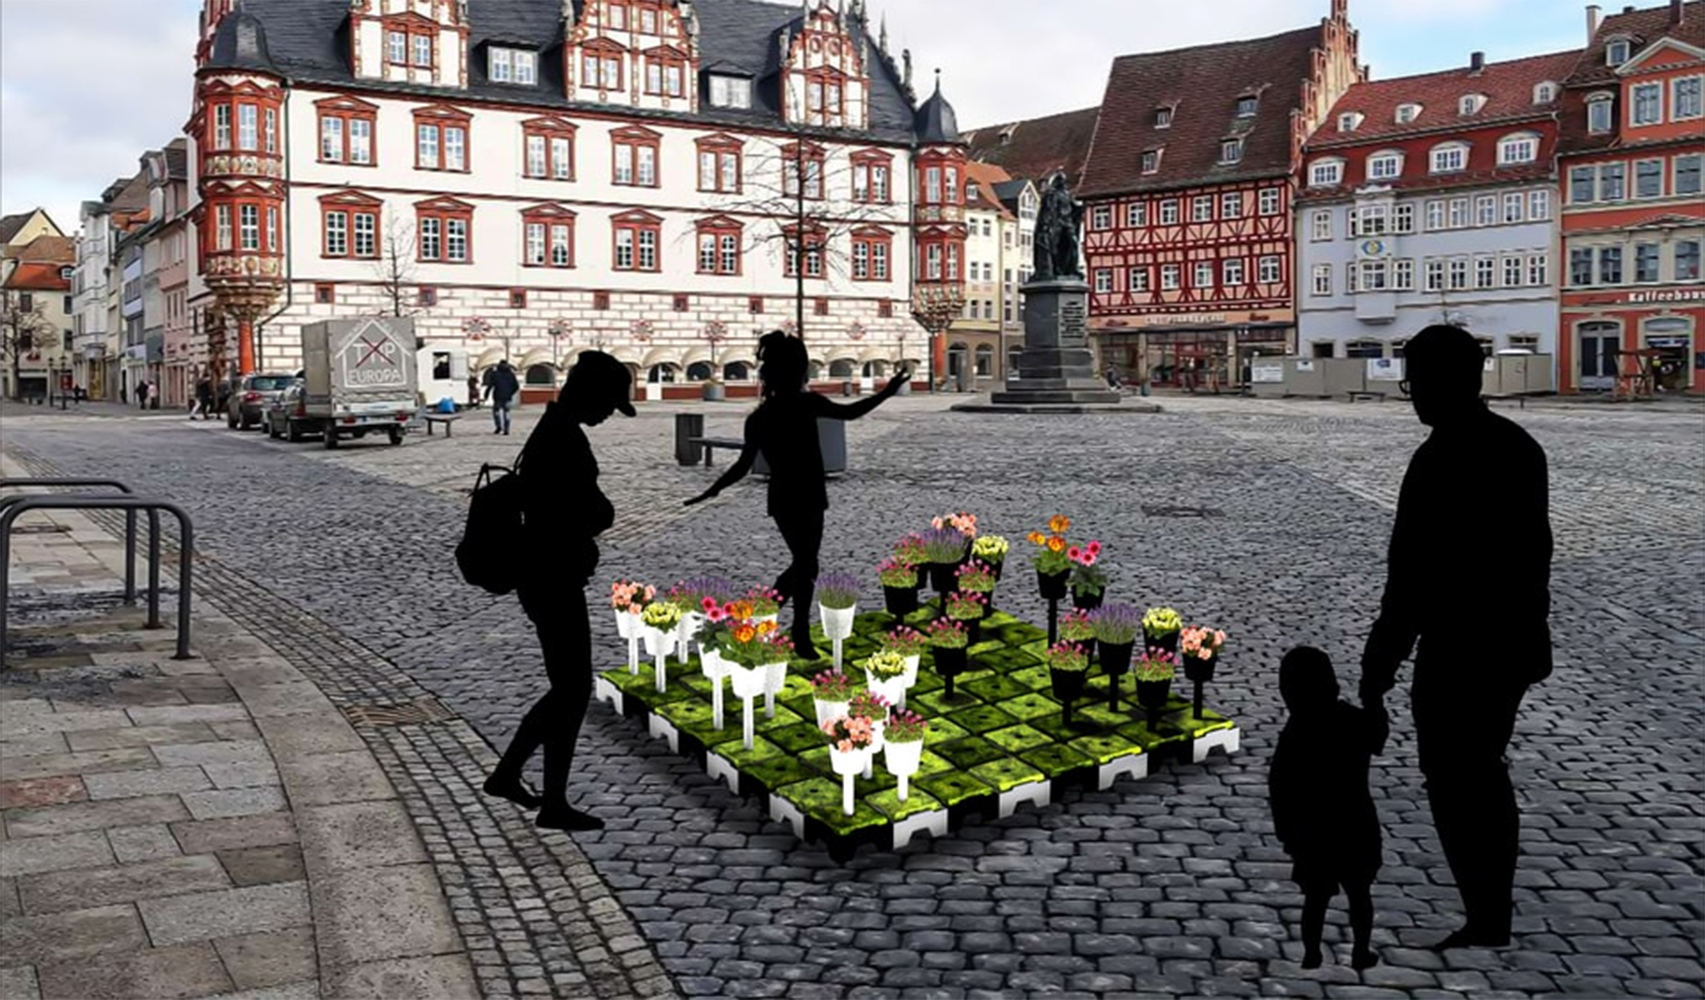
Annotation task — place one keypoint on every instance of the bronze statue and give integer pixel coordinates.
(1056, 232)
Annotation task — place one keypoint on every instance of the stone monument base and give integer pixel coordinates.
(1002, 402)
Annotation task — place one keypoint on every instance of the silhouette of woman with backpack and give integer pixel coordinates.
(784, 429)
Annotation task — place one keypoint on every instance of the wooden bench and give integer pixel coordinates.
(710, 444)
(447, 419)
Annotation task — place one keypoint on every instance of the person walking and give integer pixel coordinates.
(203, 399)
(563, 512)
(473, 391)
(1476, 620)
(501, 386)
(784, 429)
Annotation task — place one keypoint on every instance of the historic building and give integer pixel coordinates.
(1018, 246)
(661, 179)
(36, 265)
(1033, 149)
(122, 207)
(1432, 199)
(977, 343)
(1188, 187)
(1632, 155)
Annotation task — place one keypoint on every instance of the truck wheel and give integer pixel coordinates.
(396, 435)
(330, 438)
(292, 432)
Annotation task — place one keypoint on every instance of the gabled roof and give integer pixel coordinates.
(1201, 85)
(49, 249)
(988, 178)
(1010, 191)
(1035, 148)
(1641, 28)
(38, 278)
(11, 225)
(1507, 86)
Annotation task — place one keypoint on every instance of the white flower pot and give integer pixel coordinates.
(849, 761)
(684, 632)
(748, 682)
(837, 622)
(657, 643)
(911, 674)
(624, 623)
(827, 710)
(893, 689)
(903, 761)
(767, 618)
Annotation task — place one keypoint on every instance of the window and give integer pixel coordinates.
(637, 238)
(1246, 106)
(871, 249)
(825, 92)
(1470, 104)
(396, 47)
(1616, 52)
(1435, 215)
(932, 257)
(441, 139)
(647, 21)
(248, 129)
(665, 73)
(346, 131)
(1202, 208)
(1685, 98)
(719, 164)
(1270, 200)
(1513, 203)
(1485, 272)
(1687, 173)
(1518, 149)
(337, 234)
(870, 174)
(1403, 274)
(1435, 275)
(1648, 104)
(1203, 275)
(601, 301)
(1231, 150)
(1512, 272)
(1169, 277)
(1137, 214)
(1137, 279)
(1610, 181)
(1349, 121)
(809, 158)
(633, 153)
(248, 227)
(1646, 262)
(1544, 93)
(422, 45)
(222, 227)
(1458, 213)
(443, 231)
(1581, 266)
(1403, 217)
(1687, 260)
(1103, 280)
(1370, 221)
(349, 223)
(1101, 217)
(325, 294)
(1151, 161)
(512, 66)
(1321, 220)
(1538, 269)
(1326, 173)
(1384, 166)
(719, 246)
(1270, 270)
(1649, 179)
(1485, 210)
(549, 236)
(1373, 276)
(1163, 117)
(1582, 183)
(1231, 205)
(1350, 286)
(730, 92)
(1323, 279)
(1599, 114)
(1407, 113)
(221, 126)
(1538, 205)
(1169, 212)
(1610, 266)
(517, 298)
(812, 243)
(1231, 272)
(1450, 158)
(1458, 273)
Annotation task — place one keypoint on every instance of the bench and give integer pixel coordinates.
(447, 419)
(1361, 394)
(710, 444)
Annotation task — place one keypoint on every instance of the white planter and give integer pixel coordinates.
(684, 632)
(624, 624)
(893, 689)
(716, 671)
(837, 622)
(849, 764)
(767, 618)
(748, 682)
(657, 643)
(911, 674)
(903, 761)
(827, 710)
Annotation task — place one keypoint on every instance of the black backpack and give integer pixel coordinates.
(487, 554)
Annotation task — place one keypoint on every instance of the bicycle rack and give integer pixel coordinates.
(129, 535)
(18, 506)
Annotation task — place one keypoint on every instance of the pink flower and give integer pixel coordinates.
(1094, 548)
(1074, 553)
(708, 603)
(1089, 559)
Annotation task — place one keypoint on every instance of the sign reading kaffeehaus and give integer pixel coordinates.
(1169, 320)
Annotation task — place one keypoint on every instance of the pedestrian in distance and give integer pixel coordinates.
(1112, 377)
(1477, 621)
(1323, 812)
(473, 390)
(203, 399)
(784, 430)
(501, 386)
(563, 511)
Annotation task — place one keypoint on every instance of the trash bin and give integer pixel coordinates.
(687, 427)
(831, 437)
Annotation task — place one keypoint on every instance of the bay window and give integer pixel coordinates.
(248, 128)
(248, 226)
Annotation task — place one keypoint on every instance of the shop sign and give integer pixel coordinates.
(1666, 295)
(1305, 364)
(1385, 369)
(1180, 318)
(1266, 371)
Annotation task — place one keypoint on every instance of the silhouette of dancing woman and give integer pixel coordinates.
(563, 511)
(784, 429)
(1480, 617)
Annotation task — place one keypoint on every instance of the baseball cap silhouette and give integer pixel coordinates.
(598, 374)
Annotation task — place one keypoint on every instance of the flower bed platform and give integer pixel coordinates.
(997, 743)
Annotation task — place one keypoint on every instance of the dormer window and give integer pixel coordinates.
(512, 66)
(1163, 117)
(1450, 158)
(1545, 93)
(1600, 113)
(1407, 113)
(1231, 150)
(1326, 173)
(1385, 166)
(1247, 105)
(1349, 121)
(1470, 104)
(730, 92)
(1616, 51)
(406, 48)
(1151, 160)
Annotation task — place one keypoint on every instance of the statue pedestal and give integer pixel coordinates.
(1056, 365)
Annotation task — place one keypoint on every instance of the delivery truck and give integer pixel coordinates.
(359, 378)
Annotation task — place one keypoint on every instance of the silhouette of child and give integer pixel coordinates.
(1318, 789)
(784, 428)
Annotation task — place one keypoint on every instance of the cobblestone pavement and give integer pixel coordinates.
(1170, 885)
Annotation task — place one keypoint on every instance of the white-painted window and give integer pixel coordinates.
(1137, 279)
(1648, 104)
(1137, 214)
(1231, 150)
(1322, 279)
(1513, 203)
(1270, 201)
(1321, 221)
(1202, 208)
(1270, 270)
(1538, 205)
(1514, 149)
(1169, 277)
(1407, 113)
(1384, 166)
(1599, 111)
(1685, 98)
(1326, 173)
(1450, 157)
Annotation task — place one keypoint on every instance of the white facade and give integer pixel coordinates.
(93, 342)
(1374, 270)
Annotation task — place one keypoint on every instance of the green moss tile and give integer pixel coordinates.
(820, 799)
(694, 717)
(1006, 773)
(1007, 659)
(1022, 633)
(996, 688)
(1035, 677)
(935, 704)
(742, 758)
(776, 772)
(887, 802)
(1199, 726)
(1056, 729)
(968, 752)
(785, 717)
(1150, 740)
(796, 738)
(1054, 759)
(953, 787)
(1030, 705)
(982, 718)
(1017, 739)
(1104, 748)
(1096, 711)
(933, 763)
(818, 761)
(942, 730)
(928, 680)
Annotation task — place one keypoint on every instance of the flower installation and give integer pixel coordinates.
(908, 644)
(1076, 627)
(831, 690)
(1052, 566)
(852, 740)
(1154, 680)
(872, 706)
(964, 523)
(991, 550)
(757, 653)
(1115, 627)
(1200, 647)
(910, 550)
(1068, 671)
(899, 586)
(943, 548)
(628, 599)
(766, 603)
(837, 603)
(1088, 581)
(885, 675)
(948, 638)
(661, 620)
(903, 746)
(970, 609)
(1160, 628)
(976, 577)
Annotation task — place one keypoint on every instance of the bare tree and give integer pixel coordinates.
(22, 331)
(395, 265)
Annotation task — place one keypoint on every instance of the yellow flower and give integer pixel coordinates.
(1059, 523)
(766, 627)
(1035, 538)
(743, 609)
(1056, 544)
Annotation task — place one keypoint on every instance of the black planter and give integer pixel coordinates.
(1087, 602)
(949, 663)
(1198, 670)
(900, 601)
(1116, 657)
(1152, 695)
(1168, 642)
(1068, 687)
(1052, 586)
(944, 577)
(973, 630)
(995, 568)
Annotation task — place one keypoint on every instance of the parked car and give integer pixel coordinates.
(251, 397)
(286, 416)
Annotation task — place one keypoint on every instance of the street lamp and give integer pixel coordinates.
(935, 307)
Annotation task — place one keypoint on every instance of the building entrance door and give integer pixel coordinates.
(1599, 344)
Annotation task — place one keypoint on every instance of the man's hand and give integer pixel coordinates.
(1372, 689)
(900, 378)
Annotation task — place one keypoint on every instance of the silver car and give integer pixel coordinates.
(251, 398)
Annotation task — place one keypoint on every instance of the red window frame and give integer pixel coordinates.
(546, 130)
(325, 293)
(443, 211)
(824, 78)
(719, 146)
(634, 138)
(664, 57)
(443, 118)
(637, 223)
(794, 157)
(602, 49)
(517, 298)
(549, 216)
(348, 204)
(870, 238)
(814, 242)
(346, 110)
(864, 164)
(719, 228)
(410, 26)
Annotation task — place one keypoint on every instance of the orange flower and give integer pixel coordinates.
(744, 633)
(1036, 538)
(1059, 523)
(1056, 544)
(766, 627)
(743, 609)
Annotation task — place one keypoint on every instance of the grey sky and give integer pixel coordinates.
(86, 86)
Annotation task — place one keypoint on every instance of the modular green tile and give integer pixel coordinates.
(1006, 659)
(1054, 759)
(996, 688)
(775, 772)
(1150, 740)
(784, 716)
(968, 752)
(887, 802)
(739, 756)
(820, 799)
(1022, 633)
(1017, 739)
(1104, 749)
(942, 730)
(1198, 726)
(982, 718)
(797, 738)
(953, 787)
(934, 705)
(1036, 677)
(1006, 773)
(1030, 706)
(933, 763)
(693, 717)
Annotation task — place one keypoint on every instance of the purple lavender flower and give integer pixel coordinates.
(1116, 624)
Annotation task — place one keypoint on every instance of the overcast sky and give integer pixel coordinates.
(86, 86)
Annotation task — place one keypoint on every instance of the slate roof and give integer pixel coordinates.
(306, 41)
(177, 159)
(1035, 148)
(1202, 85)
(935, 121)
(1009, 192)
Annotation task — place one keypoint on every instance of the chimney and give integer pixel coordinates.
(1476, 63)
(1677, 11)
(1592, 22)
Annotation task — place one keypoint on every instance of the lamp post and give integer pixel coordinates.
(935, 306)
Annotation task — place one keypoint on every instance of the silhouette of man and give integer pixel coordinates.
(1479, 612)
(563, 511)
(502, 386)
(784, 429)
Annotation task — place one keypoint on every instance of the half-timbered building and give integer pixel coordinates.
(1188, 187)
